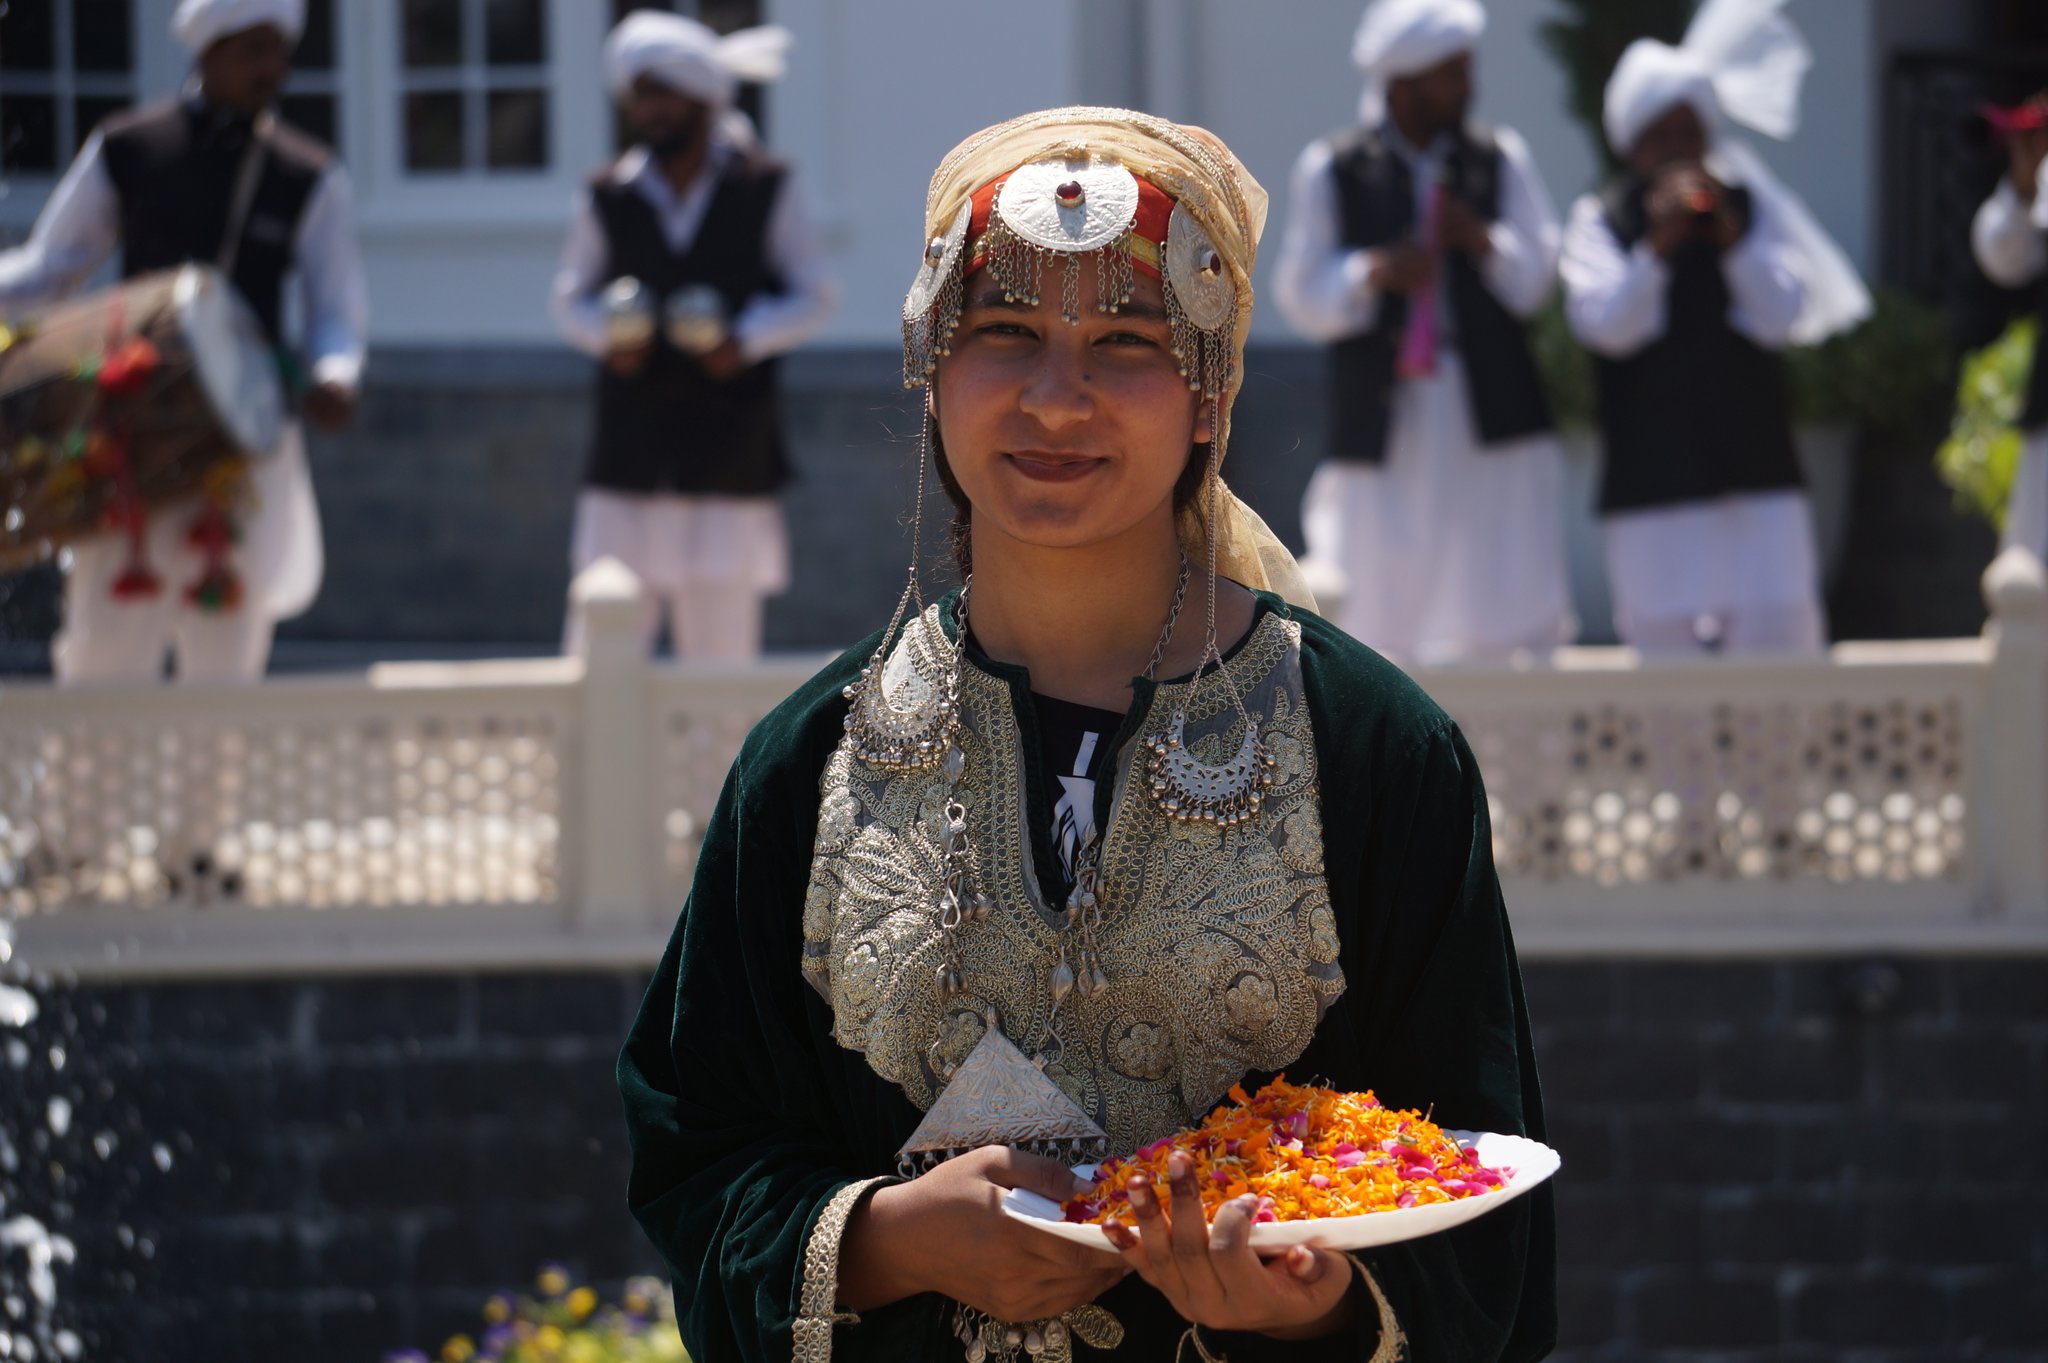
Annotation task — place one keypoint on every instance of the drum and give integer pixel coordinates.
(120, 403)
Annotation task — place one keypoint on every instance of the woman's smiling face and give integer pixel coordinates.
(1065, 435)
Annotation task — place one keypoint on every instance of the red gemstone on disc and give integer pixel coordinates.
(1071, 193)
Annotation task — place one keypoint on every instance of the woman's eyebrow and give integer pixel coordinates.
(995, 300)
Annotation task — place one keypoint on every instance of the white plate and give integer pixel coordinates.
(1526, 1163)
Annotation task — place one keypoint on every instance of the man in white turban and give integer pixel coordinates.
(2010, 238)
(691, 264)
(1687, 278)
(159, 184)
(1418, 243)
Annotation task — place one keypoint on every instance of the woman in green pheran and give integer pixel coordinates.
(1044, 868)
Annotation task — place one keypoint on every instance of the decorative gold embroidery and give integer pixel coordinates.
(1220, 942)
(1393, 1346)
(818, 1302)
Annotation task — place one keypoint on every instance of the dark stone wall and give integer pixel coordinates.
(1787, 1161)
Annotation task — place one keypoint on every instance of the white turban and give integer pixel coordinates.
(1743, 62)
(199, 24)
(1399, 38)
(690, 58)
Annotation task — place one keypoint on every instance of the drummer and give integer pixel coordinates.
(159, 184)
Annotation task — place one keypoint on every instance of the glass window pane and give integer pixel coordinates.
(316, 46)
(515, 33)
(89, 110)
(313, 113)
(727, 15)
(28, 36)
(622, 8)
(433, 130)
(28, 132)
(102, 34)
(433, 32)
(518, 130)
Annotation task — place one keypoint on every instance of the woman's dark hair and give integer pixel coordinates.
(959, 535)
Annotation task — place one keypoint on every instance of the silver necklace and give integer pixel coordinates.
(962, 902)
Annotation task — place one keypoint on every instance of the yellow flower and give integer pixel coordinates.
(458, 1350)
(497, 1311)
(553, 1281)
(582, 1302)
(550, 1338)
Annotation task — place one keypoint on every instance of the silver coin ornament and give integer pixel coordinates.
(1196, 272)
(1071, 206)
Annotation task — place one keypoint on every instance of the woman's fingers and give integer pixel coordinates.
(1190, 1229)
(1008, 1168)
(1155, 1233)
(1232, 1231)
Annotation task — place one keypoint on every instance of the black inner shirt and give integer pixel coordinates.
(1073, 748)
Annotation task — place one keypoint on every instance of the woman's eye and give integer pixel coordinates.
(1129, 338)
(1000, 329)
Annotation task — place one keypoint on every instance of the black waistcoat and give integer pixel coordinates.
(671, 427)
(1376, 206)
(174, 167)
(1702, 411)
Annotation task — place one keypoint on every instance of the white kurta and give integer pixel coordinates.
(695, 551)
(2010, 239)
(1449, 550)
(281, 557)
(1742, 567)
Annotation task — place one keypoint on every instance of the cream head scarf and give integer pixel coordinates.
(1055, 190)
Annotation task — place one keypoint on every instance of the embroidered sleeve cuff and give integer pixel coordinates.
(818, 1305)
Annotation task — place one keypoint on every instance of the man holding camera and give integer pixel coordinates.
(690, 266)
(1687, 277)
(2010, 237)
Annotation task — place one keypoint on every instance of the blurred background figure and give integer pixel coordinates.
(2010, 238)
(1687, 277)
(1417, 244)
(690, 265)
(211, 177)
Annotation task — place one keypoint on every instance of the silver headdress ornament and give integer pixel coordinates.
(1053, 215)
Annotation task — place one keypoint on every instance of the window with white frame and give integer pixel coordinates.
(312, 97)
(64, 66)
(474, 81)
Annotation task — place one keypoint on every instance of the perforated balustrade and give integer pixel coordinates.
(281, 810)
(1832, 791)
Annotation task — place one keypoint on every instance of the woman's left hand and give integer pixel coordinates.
(1213, 1277)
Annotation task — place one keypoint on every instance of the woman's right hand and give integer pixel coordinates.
(945, 1232)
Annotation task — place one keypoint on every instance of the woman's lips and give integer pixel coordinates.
(1053, 468)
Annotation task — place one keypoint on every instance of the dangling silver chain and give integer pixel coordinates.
(1180, 597)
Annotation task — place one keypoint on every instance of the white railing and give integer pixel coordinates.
(548, 812)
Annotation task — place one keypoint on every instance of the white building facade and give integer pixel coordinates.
(468, 125)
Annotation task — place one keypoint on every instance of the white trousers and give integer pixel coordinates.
(2026, 516)
(280, 560)
(709, 565)
(1449, 551)
(1743, 568)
